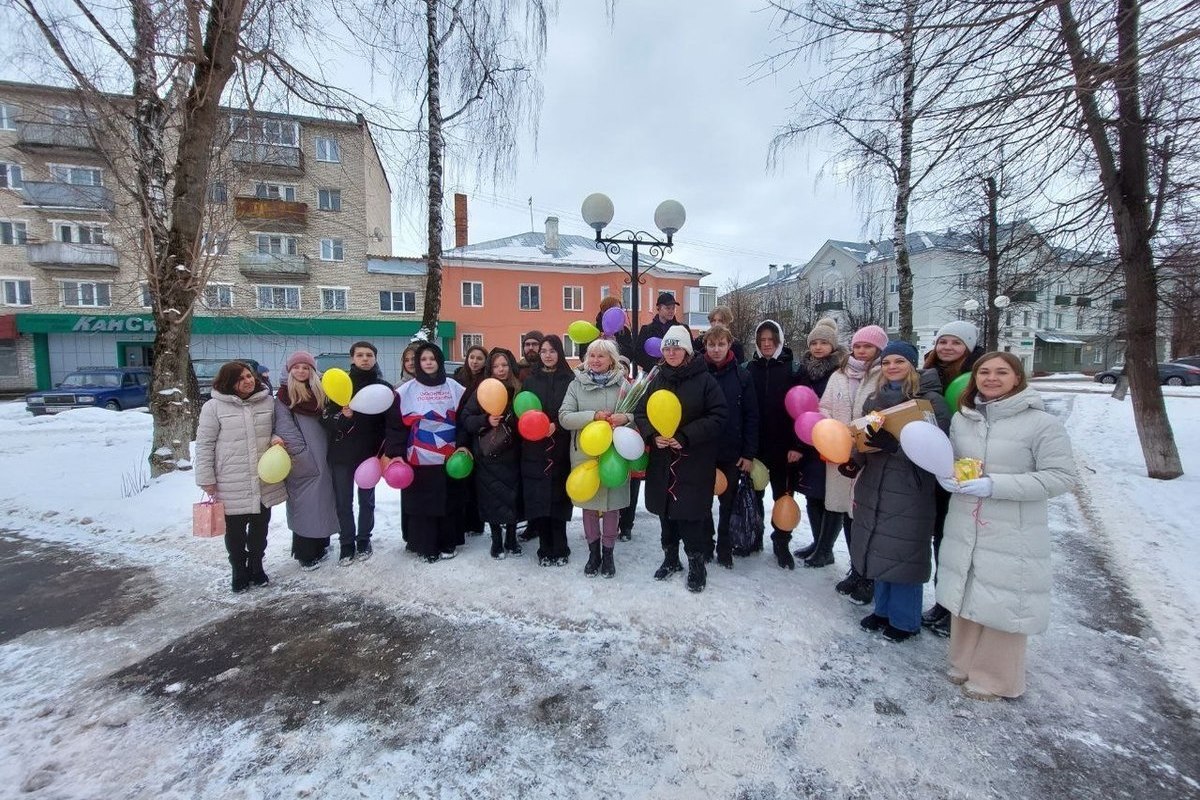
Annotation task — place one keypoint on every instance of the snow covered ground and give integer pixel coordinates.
(475, 678)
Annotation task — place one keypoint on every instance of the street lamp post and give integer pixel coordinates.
(1001, 302)
(669, 217)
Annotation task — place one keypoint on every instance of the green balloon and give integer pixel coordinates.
(614, 470)
(640, 463)
(955, 390)
(459, 465)
(526, 401)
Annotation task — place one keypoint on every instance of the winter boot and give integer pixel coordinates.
(802, 553)
(697, 576)
(346, 555)
(846, 585)
(725, 558)
(497, 542)
(863, 592)
(670, 563)
(607, 568)
(510, 540)
(780, 541)
(758, 543)
(240, 581)
(256, 574)
(593, 562)
(831, 526)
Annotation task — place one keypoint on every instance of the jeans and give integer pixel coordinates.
(900, 603)
(343, 495)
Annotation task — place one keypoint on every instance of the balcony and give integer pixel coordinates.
(54, 136)
(69, 255)
(271, 265)
(269, 157)
(829, 305)
(1062, 299)
(273, 214)
(1083, 302)
(1023, 297)
(53, 194)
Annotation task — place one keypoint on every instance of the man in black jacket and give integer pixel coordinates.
(656, 327)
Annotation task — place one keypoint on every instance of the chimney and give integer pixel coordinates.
(772, 270)
(551, 233)
(460, 220)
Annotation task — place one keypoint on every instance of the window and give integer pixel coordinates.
(12, 232)
(76, 176)
(860, 290)
(1097, 356)
(278, 298)
(328, 150)
(329, 199)
(214, 244)
(962, 313)
(894, 285)
(8, 358)
(8, 117)
(266, 131)
(531, 297)
(1078, 320)
(398, 302)
(275, 191)
(467, 341)
(11, 176)
(603, 292)
(626, 297)
(1008, 318)
(891, 319)
(964, 280)
(472, 294)
(1040, 319)
(218, 193)
(80, 233)
(86, 294)
(18, 292)
(1058, 321)
(706, 299)
(333, 299)
(331, 250)
(1025, 319)
(276, 245)
(218, 295)
(145, 299)
(570, 349)
(572, 298)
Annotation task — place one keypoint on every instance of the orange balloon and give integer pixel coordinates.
(832, 440)
(786, 514)
(383, 463)
(722, 483)
(493, 397)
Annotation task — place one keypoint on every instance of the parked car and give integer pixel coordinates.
(329, 360)
(114, 388)
(207, 369)
(1168, 375)
(1191, 361)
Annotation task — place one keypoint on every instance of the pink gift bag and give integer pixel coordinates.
(208, 518)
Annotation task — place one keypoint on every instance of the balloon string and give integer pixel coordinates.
(675, 459)
(549, 455)
(975, 514)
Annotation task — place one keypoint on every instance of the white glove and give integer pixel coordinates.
(980, 487)
(950, 485)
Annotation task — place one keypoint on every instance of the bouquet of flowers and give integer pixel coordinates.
(632, 393)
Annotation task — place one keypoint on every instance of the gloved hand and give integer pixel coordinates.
(980, 487)
(950, 485)
(880, 439)
(849, 469)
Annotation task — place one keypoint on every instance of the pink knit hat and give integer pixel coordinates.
(871, 334)
(299, 357)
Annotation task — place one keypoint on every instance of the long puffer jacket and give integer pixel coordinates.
(545, 464)
(894, 506)
(311, 508)
(231, 436)
(583, 399)
(994, 563)
(839, 402)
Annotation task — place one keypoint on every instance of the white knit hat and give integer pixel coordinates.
(678, 336)
(826, 330)
(959, 329)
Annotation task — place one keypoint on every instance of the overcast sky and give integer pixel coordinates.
(661, 105)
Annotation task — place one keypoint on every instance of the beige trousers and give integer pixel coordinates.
(990, 660)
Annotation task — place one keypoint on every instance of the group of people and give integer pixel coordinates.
(988, 536)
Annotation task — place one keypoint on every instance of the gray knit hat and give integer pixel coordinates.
(826, 330)
(960, 329)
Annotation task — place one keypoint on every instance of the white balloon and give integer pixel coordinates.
(928, 448)
(373, 399)
(628, 443)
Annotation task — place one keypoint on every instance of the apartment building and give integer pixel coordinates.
(296, 244)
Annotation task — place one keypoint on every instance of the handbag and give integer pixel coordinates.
(208, 518)
(495, 441)
(745, 521)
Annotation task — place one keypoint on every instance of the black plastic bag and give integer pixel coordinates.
(745, 522)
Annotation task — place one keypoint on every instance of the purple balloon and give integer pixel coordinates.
(613, 320)
(368, 473)
(800, 399)
(654, 347)
(804, 425)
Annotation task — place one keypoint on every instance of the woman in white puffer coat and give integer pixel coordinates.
(994, 563)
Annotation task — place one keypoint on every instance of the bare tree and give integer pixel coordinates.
(867, 303)
(744, 308)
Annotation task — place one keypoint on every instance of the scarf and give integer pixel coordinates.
(308, 408)
(601, 379)
(818, 368)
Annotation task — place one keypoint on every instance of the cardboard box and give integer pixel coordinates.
(894, 420)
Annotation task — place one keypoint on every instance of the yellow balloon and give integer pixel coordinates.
(595, 438)
(759, 475)
(786, 513)
(337, 386)
(582, 332)
(664, 412)
(584, 481)
(274, 465)
(493, 397)
(832, 439)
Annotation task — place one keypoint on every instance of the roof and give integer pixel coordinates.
(1052, 338)
(572, 251)
(395, 265)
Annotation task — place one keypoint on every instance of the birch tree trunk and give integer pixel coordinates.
(433, 256)
(904, 173)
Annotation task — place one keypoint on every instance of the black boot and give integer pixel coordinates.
(806, 551)
(831, 526)
(497, 542)
(697, 576)
(240, 581)
(670, 563)
(607, 568)
(510, 540)
(256, 574)
(780, 541)
(846, 585)
(593, 562)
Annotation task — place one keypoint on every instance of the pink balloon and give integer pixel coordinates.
(804, 425)
(800, 399)
(368, 474)
(613, 320)
(654, 347)
(398, 474)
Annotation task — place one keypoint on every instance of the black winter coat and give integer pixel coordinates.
(546, 464)
(679, 483)
(735, 347)
(498, 478)
(354, 439)
(776, 434)
(968, 364)
(650, 330)
(894, 500)
(739, 439)
(814, 373)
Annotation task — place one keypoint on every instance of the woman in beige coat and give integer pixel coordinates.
(994, 563)
(234, 431)
(843, 400)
